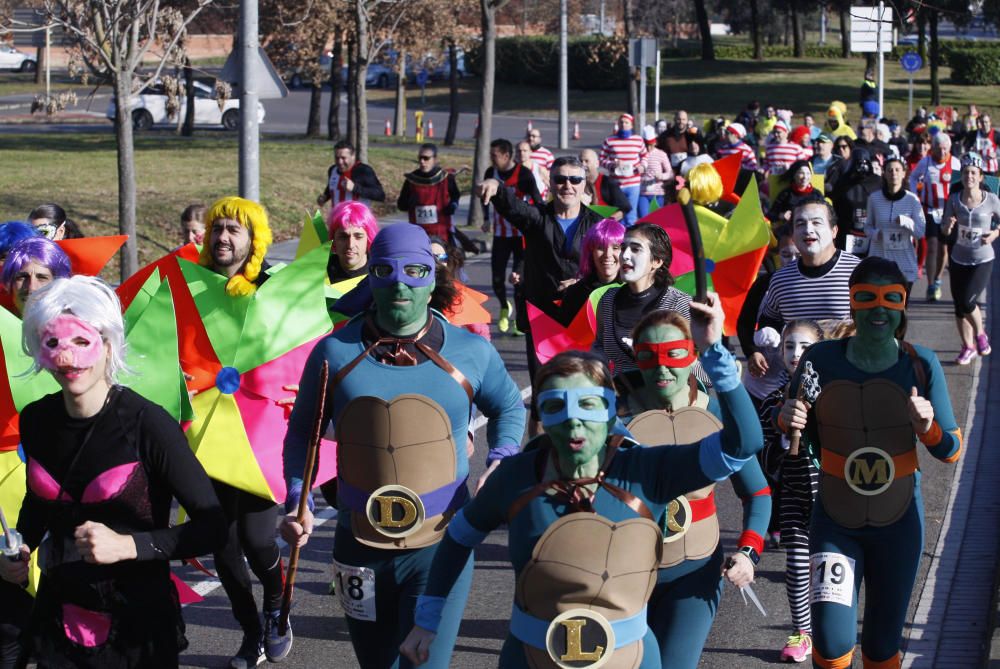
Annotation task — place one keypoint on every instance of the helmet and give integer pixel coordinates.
(973, 159)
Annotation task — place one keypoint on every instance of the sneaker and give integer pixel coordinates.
(250, 654)
(936, 290)
(775, 539)
(965, 356)
(930, 293)
(503, 324)
(514, 332)
(798, 647)
(983, 344)
(276, 647)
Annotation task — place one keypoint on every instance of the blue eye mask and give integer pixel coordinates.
(571, 399)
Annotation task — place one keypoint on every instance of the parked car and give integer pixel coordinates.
(12, 59)
(380, 76)
(299, 78)
(149, 108)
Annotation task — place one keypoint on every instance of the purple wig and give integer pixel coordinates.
(35, 249)
(351, 214)
(606, 232)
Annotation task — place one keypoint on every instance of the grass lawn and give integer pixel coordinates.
(17, 83)
(721, 87)
(78, 171)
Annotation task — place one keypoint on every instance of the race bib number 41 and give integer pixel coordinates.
(831, 578)
(355, 590)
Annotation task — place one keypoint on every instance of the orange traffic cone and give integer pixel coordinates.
(388, 128)
(576, 130)
(430, 129)
(530, 125)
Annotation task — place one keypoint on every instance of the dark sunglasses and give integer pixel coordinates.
(560, 179)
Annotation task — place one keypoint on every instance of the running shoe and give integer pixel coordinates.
(965, 356)
(775, 539)
(983, 344)
(936, 290)
(503, 324)
(250, 654)
(798, 647)
(276, 647)
(514, 332)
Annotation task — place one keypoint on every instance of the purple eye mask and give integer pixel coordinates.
(398, 274)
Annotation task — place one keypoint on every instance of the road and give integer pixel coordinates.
(740, 636)
(288, 116)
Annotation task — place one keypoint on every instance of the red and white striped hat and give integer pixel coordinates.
(628, 117)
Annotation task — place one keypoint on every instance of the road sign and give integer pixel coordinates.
(865, 34)
(911, 61)
(641, 52)
(269, 84)
(27, 29)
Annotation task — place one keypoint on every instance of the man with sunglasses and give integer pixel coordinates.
(401, 384)
(554, 234)
(430, 195)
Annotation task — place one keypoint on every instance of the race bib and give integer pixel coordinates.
(860, 218)
(896, 239)
(831, 578)
(969, 236)
(355, 590)
(857, 245)
(426, 214)
(935, 215)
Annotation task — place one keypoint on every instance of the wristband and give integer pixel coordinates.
(933, 436)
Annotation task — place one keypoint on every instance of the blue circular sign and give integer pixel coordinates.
(227, 380)
(911, 61)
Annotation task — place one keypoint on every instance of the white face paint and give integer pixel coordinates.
(812, 231)
(636, 259)
(803, 176)
(793, 345)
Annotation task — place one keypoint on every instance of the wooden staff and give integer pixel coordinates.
(796, 435)
(307, 480)
(809, 390)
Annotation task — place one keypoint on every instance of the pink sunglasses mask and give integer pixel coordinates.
(60, 348)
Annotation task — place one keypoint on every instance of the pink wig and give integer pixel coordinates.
(605, 232)
(351, 214)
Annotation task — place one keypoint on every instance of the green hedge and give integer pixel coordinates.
(977, 66)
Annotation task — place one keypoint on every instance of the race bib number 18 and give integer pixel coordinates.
(831, 578)
(355, 590)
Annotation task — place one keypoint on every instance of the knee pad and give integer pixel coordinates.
(842, 662)
(894, 662)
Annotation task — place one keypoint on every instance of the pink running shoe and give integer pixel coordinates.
(798, 647)
(983, 344)
(965, 356)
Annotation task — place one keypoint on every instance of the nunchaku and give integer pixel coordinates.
(307, 480)
(808, 392)
(12, 540)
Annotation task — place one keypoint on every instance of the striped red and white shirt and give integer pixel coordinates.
(931, 182)
(748, 160)
(986, 146)
(501, 226)
(542, 156)
(779, 157)
(631, 151)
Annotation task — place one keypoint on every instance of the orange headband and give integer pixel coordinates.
(880, 292)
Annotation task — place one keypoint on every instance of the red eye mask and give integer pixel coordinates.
(661, 354)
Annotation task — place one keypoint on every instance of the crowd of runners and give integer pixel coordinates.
(231, 388)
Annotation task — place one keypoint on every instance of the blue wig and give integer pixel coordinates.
(12, 232)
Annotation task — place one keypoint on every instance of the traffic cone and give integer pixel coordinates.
(388, 128)
(576, 130)
(430, 129)
(530, 126)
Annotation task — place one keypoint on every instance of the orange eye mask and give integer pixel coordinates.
(661, 354)
(881, 294)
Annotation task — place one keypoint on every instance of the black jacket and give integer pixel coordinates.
(545, 262)
(366, 184)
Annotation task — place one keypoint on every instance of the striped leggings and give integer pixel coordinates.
(799, 487)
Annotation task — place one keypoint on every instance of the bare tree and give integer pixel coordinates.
(110, 39)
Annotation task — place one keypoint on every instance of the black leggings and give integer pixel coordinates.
(14, 614)
(967, 283)
(252, 522)
(503, 249)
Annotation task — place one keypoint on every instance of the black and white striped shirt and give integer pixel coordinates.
(818, 293)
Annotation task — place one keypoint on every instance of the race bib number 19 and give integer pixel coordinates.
(831, 578)
(355, 590)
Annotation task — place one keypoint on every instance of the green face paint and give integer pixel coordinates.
(664, 387)
(878, 325)
(578, 443)
(401, 310)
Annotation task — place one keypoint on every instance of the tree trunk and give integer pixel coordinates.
(336, 86)
(705, 28)
(359, 82)
(845, 35)
(40, 65)
(922, 34)
(126, 174)
(934, 59)
(799, 47)
(352, 92)
(399, 119)
(633, 80)
(481, 158)
(755, 36)
(449, 135)
(315, 109)
(187, 130)
(785, 29)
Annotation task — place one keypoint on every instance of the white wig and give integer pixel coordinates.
(89, 299)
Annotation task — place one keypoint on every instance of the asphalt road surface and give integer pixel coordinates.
(740, 637)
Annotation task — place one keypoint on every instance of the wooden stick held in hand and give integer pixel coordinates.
(809, 390)
(307, 481)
